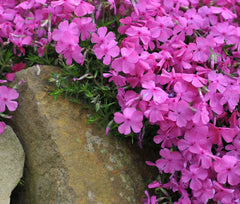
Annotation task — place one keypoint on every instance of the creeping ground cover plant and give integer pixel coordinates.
(173, 64)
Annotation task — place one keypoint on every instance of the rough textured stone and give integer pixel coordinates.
(68, 161)
(11, 163)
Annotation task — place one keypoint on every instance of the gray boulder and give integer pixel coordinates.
(11, 163)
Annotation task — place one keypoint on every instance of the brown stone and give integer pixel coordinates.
(67, 160)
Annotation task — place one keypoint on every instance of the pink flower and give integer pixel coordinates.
(7, 95)
(109, 49)
(171, 161)
(150, 199)
(84, 8)
(141, 33)
(155, 112)
(218, 81)
(206, 192)
(202, 51)
(223, 32)
(102, 36)
(118, 79)
(127, 62)
(66, 33)
(202, 115)
(196, 175)
(151, 91)
(161, 28)
(227, 170)
(130, 119)
(2, 127)
(223, 195)
(196, 80)
(18, 67)
(85, 27)
(181, 113)
(225, 13)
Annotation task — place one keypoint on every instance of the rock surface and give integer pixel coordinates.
(11, 163)
(68, 161)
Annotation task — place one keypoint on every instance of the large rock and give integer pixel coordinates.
(68, 161)
(11, 163)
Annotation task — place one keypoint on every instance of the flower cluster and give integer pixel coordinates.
(7, 97)
(175, 64)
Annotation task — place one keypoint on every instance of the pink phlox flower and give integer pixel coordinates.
(3, 81)
(120, 97)
(26, 4)
(102, 37)
(155, 112)
(107, 50)
(217, 133)
(150, 199)
(195, 137)
(208, 17)
(204, 156)
(41, 46)
(180, 48)
(154, 184)
(223, 32)
(152, 91)
(70, 52)
(228, 170)
(201, 115)
(193, 19)
(131, 98)
(218, 81)
(85, 27)
(182, 28)
(183, 200)
(181, 113)
(195, 80)
(127, 21)
(195, 175)
(214, 101)
(7, 97)
(139, 78)
(161, 28)
(18, 67)
(168, 77)
(184, 91)
(224, 12)
(84, 8)
(114, 76)
(130, 119)
(168, 137)
(223, 195)
(66, 33)
(170, 7)
(141, 33)
(113, 6)
(205, 193)
(201, 50)
(127, 62)
(231, 96)
(235, 144)
(165, 59)
(68, 5)
(10, 76)
(132, 43)
(233, 120)
(171, 161)
(2, 127)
